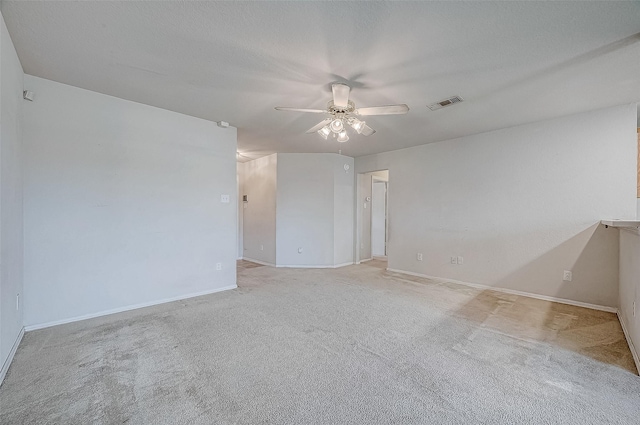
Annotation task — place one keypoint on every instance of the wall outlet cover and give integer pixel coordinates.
(567, 276)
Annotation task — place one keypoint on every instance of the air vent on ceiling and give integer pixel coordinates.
(446, 102)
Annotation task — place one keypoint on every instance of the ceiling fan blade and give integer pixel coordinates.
(383, 110)
(340, 95)
(319, 125)
(367, 131)
(313, 111)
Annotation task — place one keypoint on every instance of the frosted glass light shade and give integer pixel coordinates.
(357, 125)
(324, 132)
(342, 136)
(336, 125)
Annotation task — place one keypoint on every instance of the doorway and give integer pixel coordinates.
(373, 218)
(379, 219)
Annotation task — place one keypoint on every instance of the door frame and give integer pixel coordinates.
(359, 209)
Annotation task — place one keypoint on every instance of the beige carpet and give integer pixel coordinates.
(353, 345)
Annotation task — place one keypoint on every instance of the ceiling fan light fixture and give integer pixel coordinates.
(342, 112)
(324, 132)
(342, 137)
(337, 125)
(357, 125)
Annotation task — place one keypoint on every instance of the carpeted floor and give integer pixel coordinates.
(353, 345)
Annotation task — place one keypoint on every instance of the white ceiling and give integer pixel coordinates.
(512, 62)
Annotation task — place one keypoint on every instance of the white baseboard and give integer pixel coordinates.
(127, 308)
(7, 362)
(632, 347)
(513, 292)
(253, 260)
(365, 260)
(299, 266)
(313, 266)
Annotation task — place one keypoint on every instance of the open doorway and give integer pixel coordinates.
(372, 211)
(379, 218)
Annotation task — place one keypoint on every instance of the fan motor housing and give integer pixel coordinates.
(341, 110)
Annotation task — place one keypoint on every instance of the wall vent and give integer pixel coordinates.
(446, 102)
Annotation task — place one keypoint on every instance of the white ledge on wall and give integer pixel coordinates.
(621, 223)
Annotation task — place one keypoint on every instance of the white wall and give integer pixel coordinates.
(630, 286)
(314, 210)
(343, 212)
(11, 222)
(122, 204)
(259, 218)
(299, 201)
(519, 204)
(305, 209)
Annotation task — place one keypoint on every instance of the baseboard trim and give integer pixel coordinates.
(253, 260)
(365, 260)
(7, 362)
(127, 308)
(313, 266)
(512, 292)
(627, 336)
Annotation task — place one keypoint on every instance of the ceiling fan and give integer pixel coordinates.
(343, 112)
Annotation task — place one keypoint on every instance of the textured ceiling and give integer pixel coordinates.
(512, 62)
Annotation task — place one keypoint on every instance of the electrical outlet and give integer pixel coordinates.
(224, 199)
(460, 260)
(419, 256)
(454, 260)
(218, 266)
(634, 309)
(567, 276)
(261, 247)
(300, 250)
(18, 302)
